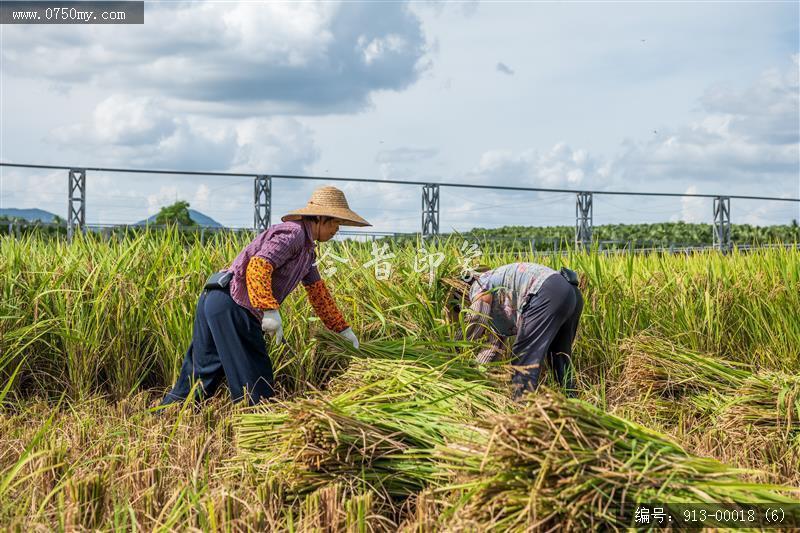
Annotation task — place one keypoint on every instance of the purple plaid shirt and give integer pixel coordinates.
(290, 249)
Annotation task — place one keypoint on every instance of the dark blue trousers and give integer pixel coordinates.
(548, 327)
(227, 342)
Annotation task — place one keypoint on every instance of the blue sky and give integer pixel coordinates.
(667, 97)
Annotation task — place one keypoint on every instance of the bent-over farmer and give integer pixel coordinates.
(244, 300)
(540, 306)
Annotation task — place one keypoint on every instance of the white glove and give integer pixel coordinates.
(272, 324)
(349, 335)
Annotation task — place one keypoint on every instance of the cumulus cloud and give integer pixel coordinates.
(767, 112)
(465, 8)
(379, 47)
(280, 33)
(140, 132)
(109, 199)
(741, 136)
(235, 59)
(278, 145)
(121, 120)
(763, 214)
(559, 167)
(165, 196)
(693, 210)
(407, 164)
(304, 58)
(43, 189)
(200, 198)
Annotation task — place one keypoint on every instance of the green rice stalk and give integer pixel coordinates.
(567, 464)
(768, 402)
(375, 427)
(722, 392)
(659, 365)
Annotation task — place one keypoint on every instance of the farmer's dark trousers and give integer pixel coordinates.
(548, 326)
(227, 342)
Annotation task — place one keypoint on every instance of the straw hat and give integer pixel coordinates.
(328, 202)
(458, 288)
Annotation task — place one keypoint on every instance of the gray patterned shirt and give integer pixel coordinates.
(509, 285)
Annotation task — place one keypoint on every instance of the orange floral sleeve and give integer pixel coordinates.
(324, 306)
(259, 284)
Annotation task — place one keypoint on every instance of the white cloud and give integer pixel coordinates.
(178, 84)
(766, 112)
(450, 8)
(234, 59)
(166, 195)
(201, 197)
(120, 120)
(559, 167)
(741, 137)
(693, 210)
(139, 132)
(281, 33)
(379, 47)
(23, 188)
(278, 145)
(756, 216)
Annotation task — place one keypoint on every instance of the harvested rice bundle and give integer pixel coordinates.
(567, 464)
(665, 414)
(460, 389)
(732, 397)
(659, 365)
(431, 353)
(318, 443)
(332, 355)
(769, 403)
(375, 428)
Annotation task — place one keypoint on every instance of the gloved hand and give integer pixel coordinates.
(349, 335)
(272, 324)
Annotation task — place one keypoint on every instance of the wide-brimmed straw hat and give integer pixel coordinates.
(458, 288)
(328, 202)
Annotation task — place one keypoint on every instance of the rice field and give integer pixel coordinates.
(687, 364)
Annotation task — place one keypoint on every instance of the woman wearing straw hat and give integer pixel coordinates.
(240, 303)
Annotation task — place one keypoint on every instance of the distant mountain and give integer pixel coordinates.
(199, 218)
(31, 215)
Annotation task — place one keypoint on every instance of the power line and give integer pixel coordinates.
(366, 180)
